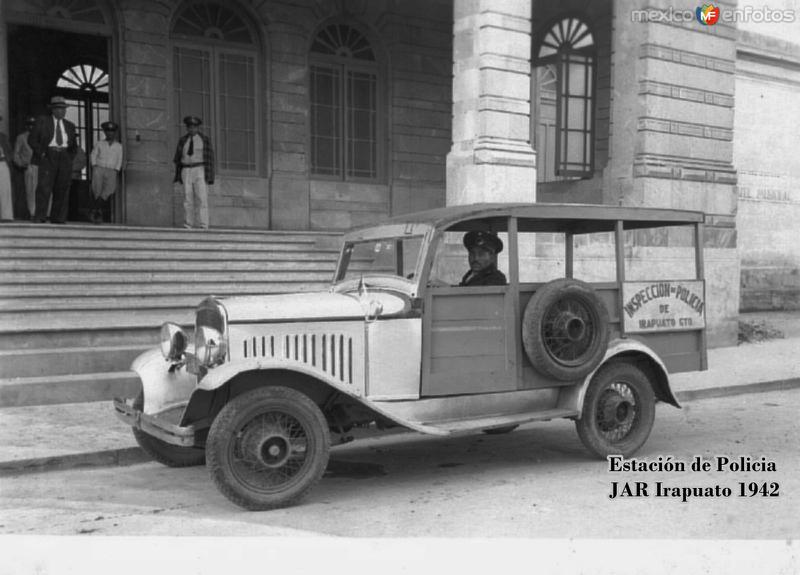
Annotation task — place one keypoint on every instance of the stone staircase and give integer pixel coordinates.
(78, 303)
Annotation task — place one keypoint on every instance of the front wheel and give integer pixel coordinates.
(267, 448)
(618, 411)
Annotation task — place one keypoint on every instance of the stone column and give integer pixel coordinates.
(491, 159)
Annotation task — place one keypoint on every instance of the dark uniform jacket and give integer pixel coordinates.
(487, 277)
(208, 158)
(42, 134)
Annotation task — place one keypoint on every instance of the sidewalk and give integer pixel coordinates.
(89, 434)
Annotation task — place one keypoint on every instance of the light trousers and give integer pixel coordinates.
(6, 203)
(195, 200)
(31, 179)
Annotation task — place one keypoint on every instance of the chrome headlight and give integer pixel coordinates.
(211, 333)
(173, 342)
(209, 346)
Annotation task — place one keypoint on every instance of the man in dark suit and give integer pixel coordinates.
(53, 142)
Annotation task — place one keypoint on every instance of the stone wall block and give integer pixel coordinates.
(290, 203)
(511, 43)
(504, 83)
(146, 119)
(147, 87)
(288, 162)
(148, 54)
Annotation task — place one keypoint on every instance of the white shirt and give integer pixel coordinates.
(107, 154)
(197, 152)
(60, 127)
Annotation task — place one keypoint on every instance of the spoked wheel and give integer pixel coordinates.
(565, 329)
(267, 448)
(163, 452)
(618, 411)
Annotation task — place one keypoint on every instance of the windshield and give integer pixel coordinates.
(391, 256)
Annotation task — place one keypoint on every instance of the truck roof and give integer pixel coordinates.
(535, 217)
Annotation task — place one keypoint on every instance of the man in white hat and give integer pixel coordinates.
(53, 142)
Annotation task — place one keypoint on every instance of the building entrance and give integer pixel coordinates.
(44, 63)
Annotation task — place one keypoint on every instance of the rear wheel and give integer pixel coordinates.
(163, 452)
(618, 411)
(267, 448)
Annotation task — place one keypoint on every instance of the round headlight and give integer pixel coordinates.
(173, 342)
(209, 346)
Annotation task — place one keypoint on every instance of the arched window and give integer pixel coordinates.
(85, 87)
(215, 77)
(565, 79)
(344, 94)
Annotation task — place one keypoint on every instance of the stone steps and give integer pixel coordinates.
(78, 388)
(23, 291)
(79, 303)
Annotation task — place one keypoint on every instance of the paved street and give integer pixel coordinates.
(536, 482)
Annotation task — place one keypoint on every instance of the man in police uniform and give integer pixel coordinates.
(483, 248)
(194, 167)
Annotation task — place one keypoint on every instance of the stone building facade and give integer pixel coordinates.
(328, 114)
(766, 146)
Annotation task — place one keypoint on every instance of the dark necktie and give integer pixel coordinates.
(59, 137)
(190, 151)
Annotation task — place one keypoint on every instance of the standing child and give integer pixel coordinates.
(106, 162)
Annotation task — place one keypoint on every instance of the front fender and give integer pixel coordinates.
(220, 375)
(572, 397)
(163, 387)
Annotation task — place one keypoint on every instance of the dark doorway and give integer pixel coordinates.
(45, 62)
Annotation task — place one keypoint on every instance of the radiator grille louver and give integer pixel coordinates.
(332, 353)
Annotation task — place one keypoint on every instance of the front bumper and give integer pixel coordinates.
(163, 425)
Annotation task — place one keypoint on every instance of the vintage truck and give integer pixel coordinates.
(397, 343)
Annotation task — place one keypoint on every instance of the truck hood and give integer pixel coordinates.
(311, 306)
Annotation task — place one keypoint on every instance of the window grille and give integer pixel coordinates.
(343, 95)
(215, 77)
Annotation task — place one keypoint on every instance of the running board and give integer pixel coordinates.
(497, 421)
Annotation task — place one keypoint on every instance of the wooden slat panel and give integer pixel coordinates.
(469, 364)
(457, 342)
(671, 343)
(468, 307)
(680, 362)
(457, 383)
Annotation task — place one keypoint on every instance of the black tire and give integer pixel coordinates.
(565, 329)
(267, 448)
(163, 452)
(618, 411)
(500, 430)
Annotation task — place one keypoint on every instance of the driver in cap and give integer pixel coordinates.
(483, 248)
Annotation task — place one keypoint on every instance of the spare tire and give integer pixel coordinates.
(565, 329)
